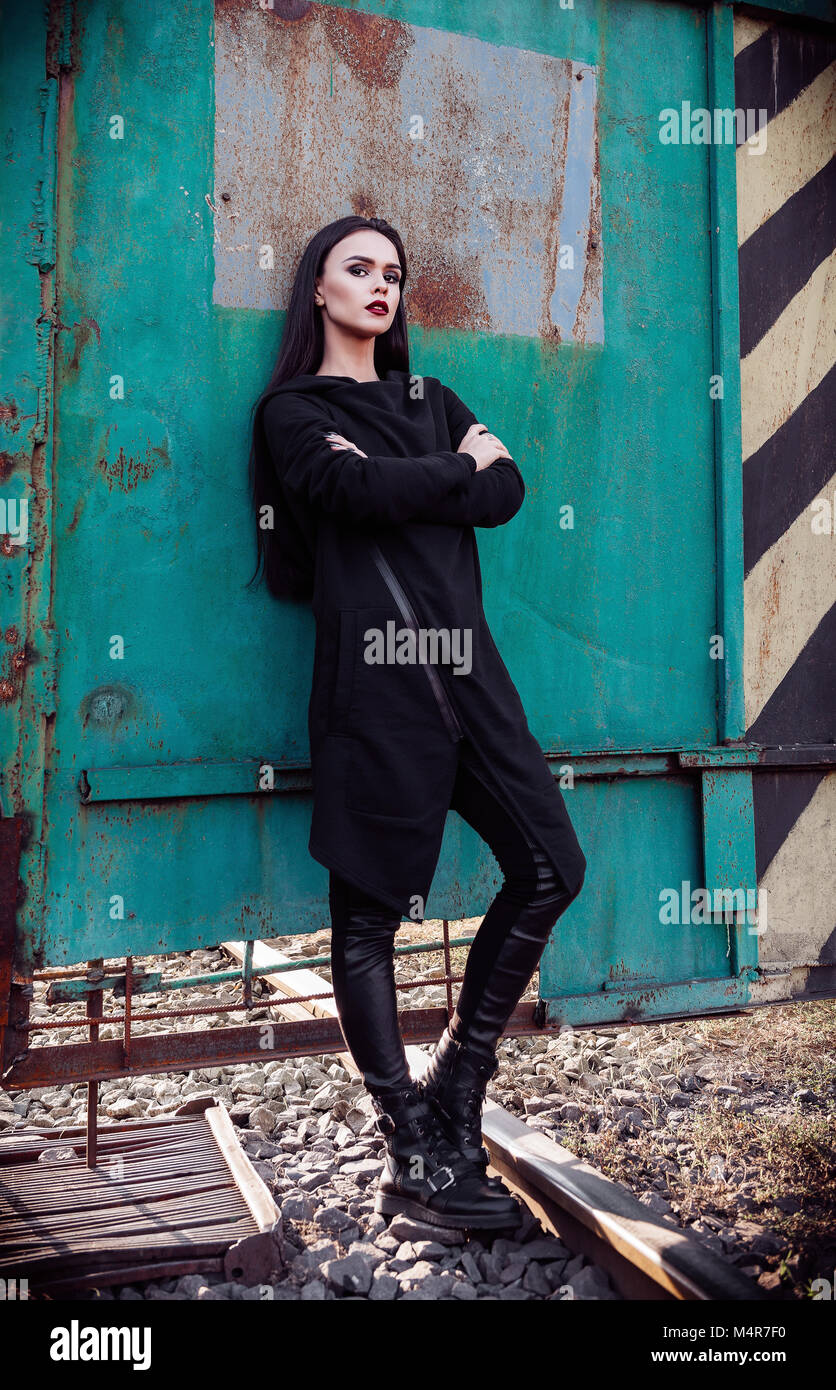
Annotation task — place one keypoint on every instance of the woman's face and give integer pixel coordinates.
(360, 270)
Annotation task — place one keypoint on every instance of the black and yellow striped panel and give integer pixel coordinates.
(786, 209)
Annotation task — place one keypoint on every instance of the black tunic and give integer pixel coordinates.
(392, 541)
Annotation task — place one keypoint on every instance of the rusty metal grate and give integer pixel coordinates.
(23, 1065)
(286, 1028)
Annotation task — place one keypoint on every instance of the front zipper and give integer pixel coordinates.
(408, 614)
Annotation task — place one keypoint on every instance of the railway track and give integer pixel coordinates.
(645, 1256)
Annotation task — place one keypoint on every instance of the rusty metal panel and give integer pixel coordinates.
(321, 110)
(175, 683)
(11, 828)
(32, 51)
(499, 140)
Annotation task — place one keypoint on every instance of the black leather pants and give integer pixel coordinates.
(505, 952)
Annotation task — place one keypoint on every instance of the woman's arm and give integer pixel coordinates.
(491, 496)
(342, 482)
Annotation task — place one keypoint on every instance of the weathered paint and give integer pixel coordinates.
(403, 114)
(169, 706)
(11, 828)
(32, 57)
(139, 777)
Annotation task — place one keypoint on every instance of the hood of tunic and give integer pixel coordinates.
(309, 382)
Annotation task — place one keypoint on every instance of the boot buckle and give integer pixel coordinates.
(439, 1187)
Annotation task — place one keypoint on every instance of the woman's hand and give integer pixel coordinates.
(483, 446)
(338, 441)
(478, 442)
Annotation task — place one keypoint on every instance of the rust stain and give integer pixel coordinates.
(8, 463)
(324, 53)
(374, 47)
(593, 267)
(127, 472)
(78, 511)
(442, 295)
(84, 330)
(771, 609)
(11, 635)
(365, 204)
(17, 663)
(281, 11)
(548, 330)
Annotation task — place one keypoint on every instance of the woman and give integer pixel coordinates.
(372, 480)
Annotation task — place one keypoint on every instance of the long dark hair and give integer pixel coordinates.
(283, 555)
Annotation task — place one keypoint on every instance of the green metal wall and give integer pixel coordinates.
(139, 774)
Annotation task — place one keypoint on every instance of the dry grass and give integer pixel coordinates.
(782, 1152)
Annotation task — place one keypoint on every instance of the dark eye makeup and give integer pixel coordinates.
(393, 273)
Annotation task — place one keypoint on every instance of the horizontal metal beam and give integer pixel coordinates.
(163, 780)
(171, 780)
(258, 1042)
(799, 755)
(649, 1003)
(820, 11)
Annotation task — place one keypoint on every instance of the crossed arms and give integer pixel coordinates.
(443, 487)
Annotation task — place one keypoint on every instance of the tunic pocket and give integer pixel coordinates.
(382, 779)
(400, 752)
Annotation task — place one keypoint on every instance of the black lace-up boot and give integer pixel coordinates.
(455, 1083)
(426, 1177)
(517, 924)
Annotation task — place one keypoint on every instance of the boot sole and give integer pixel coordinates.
(389, 1204)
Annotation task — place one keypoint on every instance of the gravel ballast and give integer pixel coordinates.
(637, 1102)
